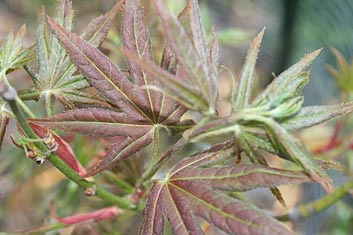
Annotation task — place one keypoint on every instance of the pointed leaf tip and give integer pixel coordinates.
(313, 115)
(312, 55)
(247, 74)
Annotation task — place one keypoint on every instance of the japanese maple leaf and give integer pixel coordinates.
(143, 110)
(57, 76)
(192, 190)
(13, 56)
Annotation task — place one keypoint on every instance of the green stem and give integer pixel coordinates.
(25, 126)
(123, 185)
(48, 104)
(321, 204)
(25, 108)
(155, 151)
(29, 95)
(172, 150)
(62, 166)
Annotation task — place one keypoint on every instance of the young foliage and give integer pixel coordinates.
(264, 123)
(190, 190)
(12, 57)
(343, 74)
(12, 53)
(143, 110)
(57, 76)
(195, 84)
(137, 104)
(61, 148)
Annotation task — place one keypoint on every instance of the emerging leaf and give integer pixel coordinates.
(12, 54)
(57, 75)
(241, 100)
(62, 149)
(264, 123)
(344, 72)
(102, 214)
(288, 84)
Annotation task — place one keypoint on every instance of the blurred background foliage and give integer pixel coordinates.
(293, 28)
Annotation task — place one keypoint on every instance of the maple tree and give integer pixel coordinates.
(149, 100)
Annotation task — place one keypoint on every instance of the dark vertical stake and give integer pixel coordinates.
(290, 11)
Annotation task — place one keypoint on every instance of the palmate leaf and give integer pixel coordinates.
(265, 122)
(143, 110)
(57, 75)
(12, 53)
(288, 84)
(191, 190)
(343, 74)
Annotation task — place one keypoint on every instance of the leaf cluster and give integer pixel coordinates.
(137, 104)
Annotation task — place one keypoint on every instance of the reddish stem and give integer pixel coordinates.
(334, 140)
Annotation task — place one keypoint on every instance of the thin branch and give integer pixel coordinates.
(172, 150)
(62, 166)
(321, 204)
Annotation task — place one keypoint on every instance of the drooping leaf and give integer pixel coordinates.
(246, 144)
(292, 148)
(258, 139)
(191, 191)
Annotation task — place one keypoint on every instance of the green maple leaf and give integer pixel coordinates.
(57, 76)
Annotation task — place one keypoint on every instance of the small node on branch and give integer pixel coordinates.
(6, 91)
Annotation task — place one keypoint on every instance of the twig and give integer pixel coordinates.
(321, 204)
(62, 166)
